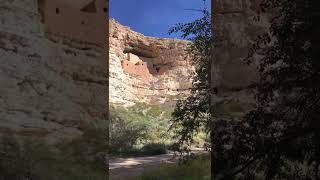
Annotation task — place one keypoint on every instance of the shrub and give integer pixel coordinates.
(125, 133)
(132, 128)
(154, 149)
(142, 129)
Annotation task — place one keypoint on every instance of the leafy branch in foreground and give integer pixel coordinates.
(192, 114)
(280, 139)
(284, 128)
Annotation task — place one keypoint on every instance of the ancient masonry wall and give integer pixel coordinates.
(53, 80)
(145, 70)
(138, 69)
(235, 28)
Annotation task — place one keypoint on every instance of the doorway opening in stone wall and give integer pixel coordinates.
(153, 80)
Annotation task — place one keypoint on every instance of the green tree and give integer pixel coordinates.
(284, 128)
(280, 138)
(192, 114)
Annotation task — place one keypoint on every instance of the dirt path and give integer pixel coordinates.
(125, 168)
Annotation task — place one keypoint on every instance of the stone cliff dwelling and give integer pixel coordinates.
(77, 20)
(134, 65)
(146, 69)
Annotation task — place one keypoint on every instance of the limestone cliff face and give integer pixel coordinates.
(146, 69)
(51, 84)
(236, 27)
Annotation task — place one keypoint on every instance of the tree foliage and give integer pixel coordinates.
(139, 130)
(284, 128)
(192, 114)
(280, 139)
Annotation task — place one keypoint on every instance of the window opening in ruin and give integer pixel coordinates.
(82, 22)
(215, 90)
(57, 10)
(104, 9)
(41, 6)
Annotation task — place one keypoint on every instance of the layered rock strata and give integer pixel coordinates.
(236, 26)
(52, 74)
(146, 69)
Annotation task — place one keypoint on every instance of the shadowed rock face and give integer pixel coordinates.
(146, 69)
(52, 84)
(235, 29)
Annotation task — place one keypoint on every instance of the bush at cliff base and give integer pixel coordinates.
(142, 130)
(139, 130)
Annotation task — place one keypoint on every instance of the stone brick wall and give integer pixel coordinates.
(145, 70)
(53, 84)
(133, 58)
(83, 22)
(138, 69)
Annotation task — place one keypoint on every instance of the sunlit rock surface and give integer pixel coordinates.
(52, 83)
(146, 69)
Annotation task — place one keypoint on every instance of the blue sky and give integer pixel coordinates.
(155, 17)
